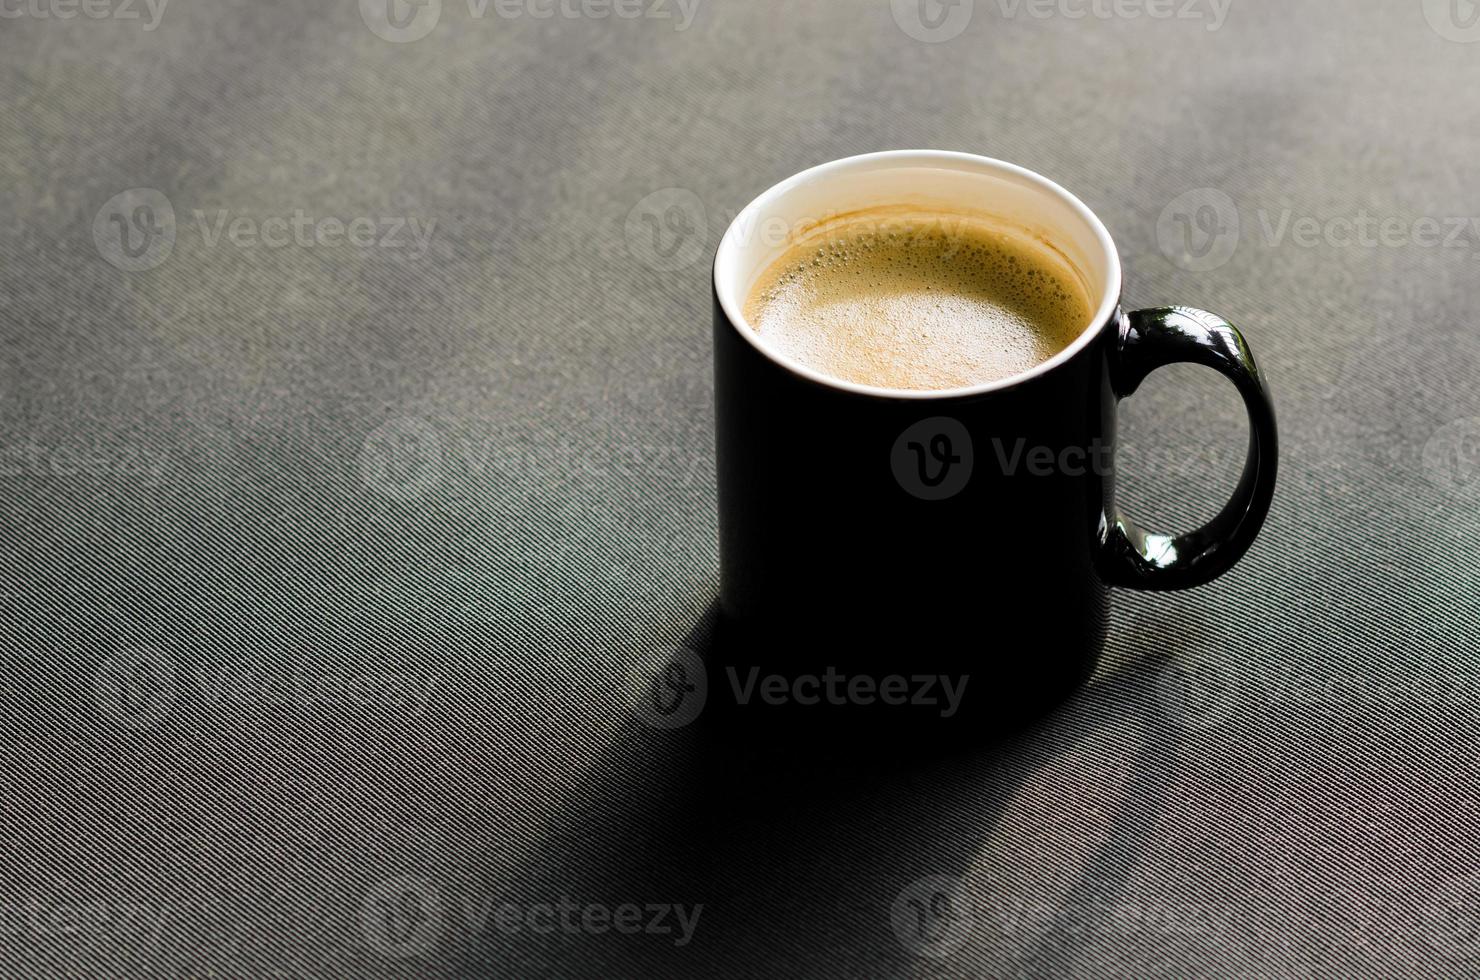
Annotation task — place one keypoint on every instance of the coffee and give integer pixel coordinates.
(903, 298)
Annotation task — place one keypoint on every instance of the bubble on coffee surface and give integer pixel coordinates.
(919, 301)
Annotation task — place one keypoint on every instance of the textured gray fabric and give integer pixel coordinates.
(324, 566)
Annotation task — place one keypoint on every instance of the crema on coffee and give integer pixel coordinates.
(907, 298)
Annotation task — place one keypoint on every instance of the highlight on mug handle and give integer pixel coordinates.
(1134, 558)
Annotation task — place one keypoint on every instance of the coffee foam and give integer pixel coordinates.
(919, 300)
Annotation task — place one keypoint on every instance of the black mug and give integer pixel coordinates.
(877, 542)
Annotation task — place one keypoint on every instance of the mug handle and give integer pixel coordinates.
(1138, 559)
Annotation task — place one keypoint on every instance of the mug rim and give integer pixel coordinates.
(1105, 309)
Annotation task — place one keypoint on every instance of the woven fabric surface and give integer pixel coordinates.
(356, 418)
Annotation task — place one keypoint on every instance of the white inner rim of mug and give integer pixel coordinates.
(928, 179)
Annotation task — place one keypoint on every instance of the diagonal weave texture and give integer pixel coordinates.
(324, 564)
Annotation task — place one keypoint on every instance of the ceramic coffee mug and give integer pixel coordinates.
(968, 532)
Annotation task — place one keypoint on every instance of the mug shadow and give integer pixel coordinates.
(798, 850)
(1096, 897)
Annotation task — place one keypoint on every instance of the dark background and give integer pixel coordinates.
(324, 567)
